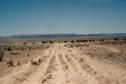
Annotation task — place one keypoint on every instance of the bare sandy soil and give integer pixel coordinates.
(65, 65)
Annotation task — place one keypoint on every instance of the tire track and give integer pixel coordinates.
(38, 75)
(73, 76)
(89, 78)
(48, 74)
(55, 73)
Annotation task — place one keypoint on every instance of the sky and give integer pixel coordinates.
(62, 16)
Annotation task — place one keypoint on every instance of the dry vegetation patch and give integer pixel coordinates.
(19, 53)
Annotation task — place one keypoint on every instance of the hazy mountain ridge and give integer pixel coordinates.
(67, 35)
(58, 36)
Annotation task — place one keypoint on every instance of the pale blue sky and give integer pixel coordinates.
(62, 16)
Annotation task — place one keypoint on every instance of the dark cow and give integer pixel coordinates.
(50, 41)
(44, 41)
(115, 39)
(72, 41)
(65, 41)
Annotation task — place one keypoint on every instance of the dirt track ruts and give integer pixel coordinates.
(60, 65)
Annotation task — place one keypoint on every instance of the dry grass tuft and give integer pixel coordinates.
(11, 63)
(34, 62)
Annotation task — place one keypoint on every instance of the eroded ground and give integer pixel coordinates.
(68, 63)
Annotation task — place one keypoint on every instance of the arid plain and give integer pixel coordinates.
(63, 62)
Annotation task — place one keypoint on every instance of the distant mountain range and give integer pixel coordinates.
(67, 35)
(53, 36)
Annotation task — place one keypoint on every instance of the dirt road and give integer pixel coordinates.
(63, 65)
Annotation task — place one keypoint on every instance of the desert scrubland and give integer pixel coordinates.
(63, 62)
